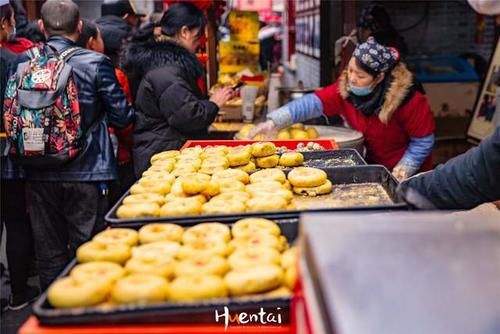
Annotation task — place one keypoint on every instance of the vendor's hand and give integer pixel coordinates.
(267, 128)
(221, 96)
(400, 173)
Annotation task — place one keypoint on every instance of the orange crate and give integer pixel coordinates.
(291, 144)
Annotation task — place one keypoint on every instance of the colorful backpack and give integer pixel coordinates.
(41, 110)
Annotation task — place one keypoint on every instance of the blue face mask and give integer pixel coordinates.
(360, 91)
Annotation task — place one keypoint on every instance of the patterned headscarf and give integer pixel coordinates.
(376, 57)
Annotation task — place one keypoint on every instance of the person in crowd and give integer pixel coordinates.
(170, 106)
(117, 22)
(376, 95)
(69, 201)
(374, 21)
(468, 180)
(10, 40)
(91, 38)
(464, 182)
(19, 237)
(32, 32)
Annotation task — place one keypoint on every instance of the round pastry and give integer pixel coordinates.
(263, 149)
(258, 240)
(161, 249)
(282, 291)
(272, 174)
(252, 226)
(227, 186)
(312, 133)
(155, 170)
(176, 190)
(291, 159)
(210, 169)
(256, 279)
(290, 257)
(231, 175)
(69, 292)
(212, 189)
(144, 198)
(98, 270)
(183, 170)
(159, 266)
(219, 207)
(174, 197)
(164, 155)
(180, 207)
(285, 194)
(232, 196)
(203, 249)
(125, 236)
(267, 162)
(150, 186)
(212, 161)
(206, 231)
(267, 186)
(97, 251)
(195, 184)
(299, 126)
(188, 161)
(160, 232)
(192, 151)
(290, 277)
(151, 179)
(238, 157)
(251, 256)
(138, 210)
(212, 154)
(216, 149)
(267, 202)
(186, 288)
(163, 166)
(140, 289)
(307, 177)
(249, 167)
(214, 265)
(323, 189)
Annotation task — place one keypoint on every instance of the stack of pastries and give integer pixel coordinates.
(216, 180)
(165, 262)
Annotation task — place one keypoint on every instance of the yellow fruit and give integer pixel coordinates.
(312, 132)
(299, 126)
(284, 134)
(299, 134)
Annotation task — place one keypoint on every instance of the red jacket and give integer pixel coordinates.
(18, 45)
(125, 135)
(387, 136)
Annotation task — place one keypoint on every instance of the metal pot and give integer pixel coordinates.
(287, 94)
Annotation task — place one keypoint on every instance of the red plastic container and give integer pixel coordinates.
(291, 144)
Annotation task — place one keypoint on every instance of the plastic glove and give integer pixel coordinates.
(267, 128)
(400, 172)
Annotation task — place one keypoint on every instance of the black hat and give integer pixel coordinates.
(117, 7)
(375, 56)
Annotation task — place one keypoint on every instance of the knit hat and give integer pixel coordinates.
(376, 57)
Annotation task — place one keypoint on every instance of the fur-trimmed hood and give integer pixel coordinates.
(395, 94)
(141, 57)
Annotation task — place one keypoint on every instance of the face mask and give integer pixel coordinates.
(360, 91)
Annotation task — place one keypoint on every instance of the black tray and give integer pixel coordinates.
(338, 158)
(202, 312)
(337, 175)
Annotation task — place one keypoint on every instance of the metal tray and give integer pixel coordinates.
(337, 175)
(169, 312)
(336, 158)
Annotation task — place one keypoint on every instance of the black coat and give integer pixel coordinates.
(170, 107)
(464, 182)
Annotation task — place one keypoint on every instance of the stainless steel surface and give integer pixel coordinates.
(406, 272)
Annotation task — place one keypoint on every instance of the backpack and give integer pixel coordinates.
(42, 112)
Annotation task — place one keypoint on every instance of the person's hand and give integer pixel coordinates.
(221, 96)
(400, 173)
(267, 128)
